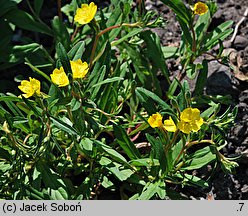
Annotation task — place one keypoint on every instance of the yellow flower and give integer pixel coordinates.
(190, 120)
(30, 87)
(79, 68)
(86, 13)
(155, 120)
(170, 125)
(59, 77)
(200, 8)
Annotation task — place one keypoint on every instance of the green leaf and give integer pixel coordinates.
(149, 191)
(190, 179)
(159, 154)
(4, 154)
(86, 146)
(35, 194)
(96, 76)
(111, 152)
(186, 36)
(77, 51)
(154, 52)
(146, 162)
(63, 57)
(176, 150)
(201, 79)
(200, 158)
(179, 9)
(36, 111)
(4, 167)
(143, 94)
(208, 112)
(219, 33)
(132, 33)
(55, 185)
(38, 5)
(107, 183)
(7, 5)
(108, 80)
(63, 126)
(126, 144)
(202, 25)
(169, 51)
(115, 18)
(75, 104)
(13, 107)
(161, 189)
(10, 98)
(116, 169)
(26, 21)
(61, 34)
(35, 69)
(18, 53)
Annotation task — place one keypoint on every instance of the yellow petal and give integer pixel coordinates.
(199, 122)
(186, 115)
(35, 84)
(59, 77)
(86, 13)
(170, 125)
(79, 68)
(190, 114)
(155, 120)
(200, 8)
(184, 127)
(26, 88)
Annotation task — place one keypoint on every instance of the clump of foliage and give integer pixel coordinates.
(89, 118)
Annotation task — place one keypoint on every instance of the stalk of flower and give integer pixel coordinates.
(30, 88)
(86, 13)
(59, 77)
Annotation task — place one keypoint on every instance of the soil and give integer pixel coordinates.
(221, 81)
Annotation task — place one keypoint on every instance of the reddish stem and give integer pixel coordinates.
(96, 40)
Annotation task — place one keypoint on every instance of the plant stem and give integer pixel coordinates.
(74, 33)
(96, 40)
(59, 9)
(172, 141)
(137, 24)
(194, 39)
(189, 144)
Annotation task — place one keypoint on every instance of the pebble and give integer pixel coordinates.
(240, 42)
(244, 189)
(243, 97)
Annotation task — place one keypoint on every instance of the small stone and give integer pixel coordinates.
(244, 189)
(240, 42)
(243, 97)
(220, 83)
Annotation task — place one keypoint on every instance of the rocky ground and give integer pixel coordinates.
(221, 81)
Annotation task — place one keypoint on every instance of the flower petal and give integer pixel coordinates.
(59, 77)
(170, 125)
(200, 8)
(155, 120)
(86, 13)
